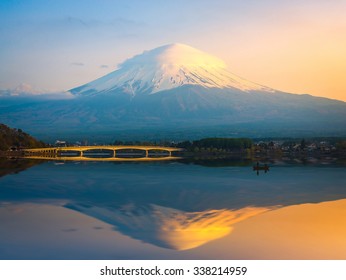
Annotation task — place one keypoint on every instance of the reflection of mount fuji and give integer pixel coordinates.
(173, 205)
(167, 227)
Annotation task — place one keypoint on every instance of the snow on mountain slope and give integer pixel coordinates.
(166, 68)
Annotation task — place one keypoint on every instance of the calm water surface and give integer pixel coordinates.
(172, 210)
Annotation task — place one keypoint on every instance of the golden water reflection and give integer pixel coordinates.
(307, 231)
(191, 230)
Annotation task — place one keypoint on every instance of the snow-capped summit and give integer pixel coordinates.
(166, 68)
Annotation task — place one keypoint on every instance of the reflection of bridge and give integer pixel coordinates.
(60, 152)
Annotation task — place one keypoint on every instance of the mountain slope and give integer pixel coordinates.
(175, 92)
(188, 112)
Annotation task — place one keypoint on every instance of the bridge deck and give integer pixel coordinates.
(112, 148)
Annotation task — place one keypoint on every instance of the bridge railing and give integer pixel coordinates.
(56, 151)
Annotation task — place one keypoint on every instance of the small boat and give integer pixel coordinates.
(258, 167)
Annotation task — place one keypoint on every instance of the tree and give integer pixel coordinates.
(303, 144)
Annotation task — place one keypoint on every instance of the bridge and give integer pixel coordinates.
(58, 152)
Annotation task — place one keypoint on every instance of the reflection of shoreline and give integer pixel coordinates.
(203, 161)
(193, 187)
(83, 158)
(16, 165)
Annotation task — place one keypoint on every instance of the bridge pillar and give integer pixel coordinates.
(170, 153)
(114, 153)
(81, 153)
(146, 153)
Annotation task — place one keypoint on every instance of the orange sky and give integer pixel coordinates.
(299, 49)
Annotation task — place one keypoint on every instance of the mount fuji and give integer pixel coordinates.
(165, 68)
(175, 92)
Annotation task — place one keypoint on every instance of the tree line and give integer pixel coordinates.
(217, 143)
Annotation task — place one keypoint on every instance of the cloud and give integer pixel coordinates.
(73, 20)
(29, 91)
(77, 64)
(104, 66)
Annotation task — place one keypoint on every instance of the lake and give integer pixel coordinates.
(187, 209)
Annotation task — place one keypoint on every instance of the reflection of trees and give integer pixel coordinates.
(10, 166)
(217, 161)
